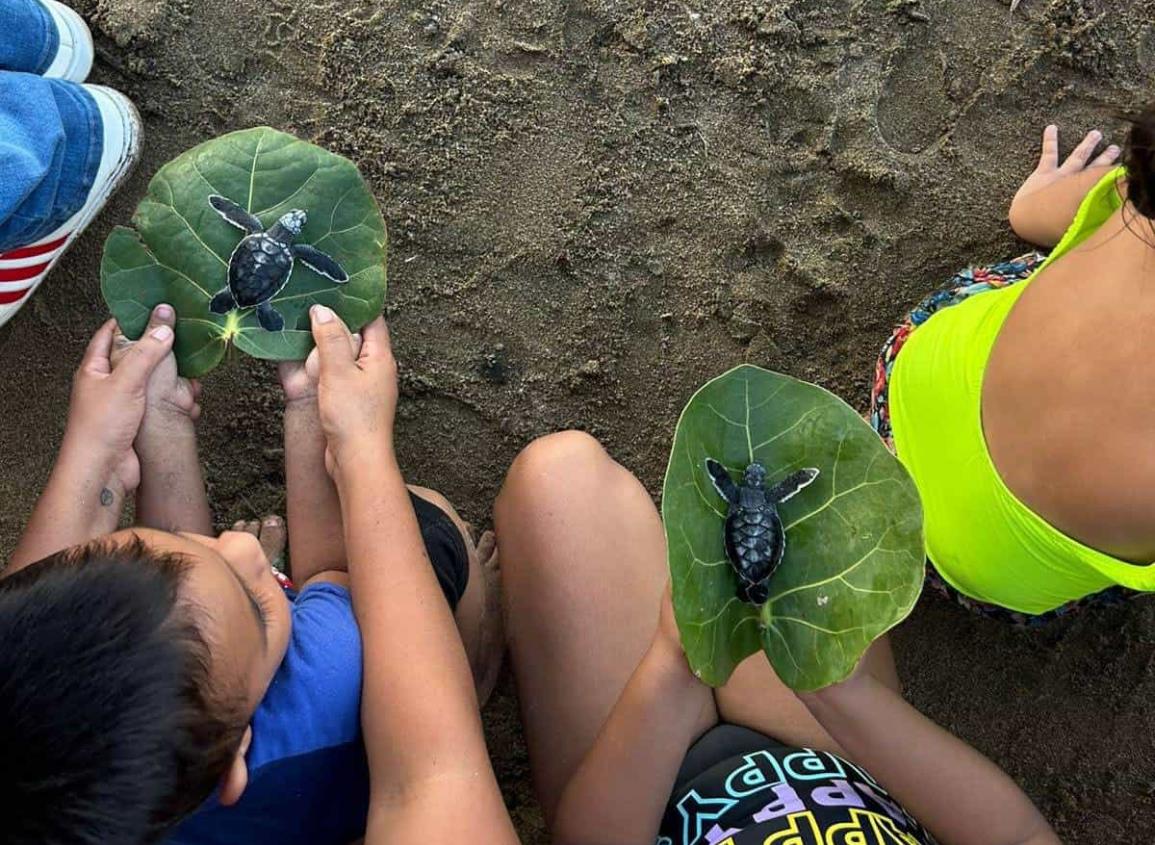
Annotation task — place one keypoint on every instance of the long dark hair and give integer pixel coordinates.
(1140, 160)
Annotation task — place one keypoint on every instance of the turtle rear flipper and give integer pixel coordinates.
(723, 483)
(223, 302)
(270, 318)
(757, 593)
(235, 215)
(320, 263)
(789, 487)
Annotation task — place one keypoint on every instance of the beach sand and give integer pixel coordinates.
(597, 205)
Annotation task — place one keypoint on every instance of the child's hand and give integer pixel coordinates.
(356, 393)
(169, 398)
(1050, 171)
(107, 407)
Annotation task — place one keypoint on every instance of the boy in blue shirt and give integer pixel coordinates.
(173, 677)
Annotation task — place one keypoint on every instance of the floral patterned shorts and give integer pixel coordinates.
(962, 286)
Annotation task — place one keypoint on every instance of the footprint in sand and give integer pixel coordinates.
(914, 107)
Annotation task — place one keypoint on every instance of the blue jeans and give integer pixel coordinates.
(51, 136)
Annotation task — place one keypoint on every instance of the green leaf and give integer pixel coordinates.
(179, 249)
(854, 553)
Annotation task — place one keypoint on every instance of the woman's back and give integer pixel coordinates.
(1069, 390)
(1021, 413)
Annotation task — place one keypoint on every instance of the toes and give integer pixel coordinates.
(272, 536)
(487, 551)
(246, 526)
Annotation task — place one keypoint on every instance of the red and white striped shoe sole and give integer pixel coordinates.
(22, 270)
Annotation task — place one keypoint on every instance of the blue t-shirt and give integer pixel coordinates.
(308, 775)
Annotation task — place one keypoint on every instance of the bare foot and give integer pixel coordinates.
(478, 615)
(490, 650)
(272, 534)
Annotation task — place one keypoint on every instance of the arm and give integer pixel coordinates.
(1046, 204)
(171, 496)
(431, 777)
(97, 467)
(959, 795)
(620, 790)
(312, 506)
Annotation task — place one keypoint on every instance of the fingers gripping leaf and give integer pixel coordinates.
(854, 558)
(200, 207)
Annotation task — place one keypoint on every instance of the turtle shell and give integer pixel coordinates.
(259, 269)
(755, 542)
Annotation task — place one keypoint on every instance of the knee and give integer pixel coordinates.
(557, 461)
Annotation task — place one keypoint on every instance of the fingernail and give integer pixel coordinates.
(357, 337)
(1096, 134)
(1114, 150)
(163, 312)
(161, 333)
(321, 314)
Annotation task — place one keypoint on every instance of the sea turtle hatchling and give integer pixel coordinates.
(755, 537)
(262, 262)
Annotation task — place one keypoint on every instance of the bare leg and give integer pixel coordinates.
(312, 506)
(478, 613)
(583, 570)
(172, 495)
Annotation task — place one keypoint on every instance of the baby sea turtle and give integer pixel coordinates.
(755, 538)
(261, 264)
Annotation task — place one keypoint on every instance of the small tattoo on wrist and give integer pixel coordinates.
(106, 497)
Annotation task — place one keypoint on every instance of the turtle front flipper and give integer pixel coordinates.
(723, 483)
(320, 263)
(223, 302)
(789, 487)
(270, 318)
(235, 215)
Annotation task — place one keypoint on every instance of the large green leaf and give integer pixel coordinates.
(179, 250)
(854, 554)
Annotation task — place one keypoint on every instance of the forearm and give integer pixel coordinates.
(956, 793)
(83, 500)
(171, 496)
(313, 508)
(621, 788)
(419, 708)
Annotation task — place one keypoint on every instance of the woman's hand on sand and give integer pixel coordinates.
(1049, 170)
(169, 399)
(356, 391)
(108, 405)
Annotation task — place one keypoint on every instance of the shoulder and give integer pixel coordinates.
(314, 700)
(323, 620)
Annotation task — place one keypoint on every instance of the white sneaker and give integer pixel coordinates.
(23, 269)
(74, 57)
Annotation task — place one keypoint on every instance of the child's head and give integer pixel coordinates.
(129, 671)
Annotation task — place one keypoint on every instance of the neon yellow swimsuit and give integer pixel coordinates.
(982, 540)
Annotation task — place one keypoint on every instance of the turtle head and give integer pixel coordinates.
(294, 222)
(755, 475)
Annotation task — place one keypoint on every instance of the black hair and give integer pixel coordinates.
(1140, 161)
(110, 729)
